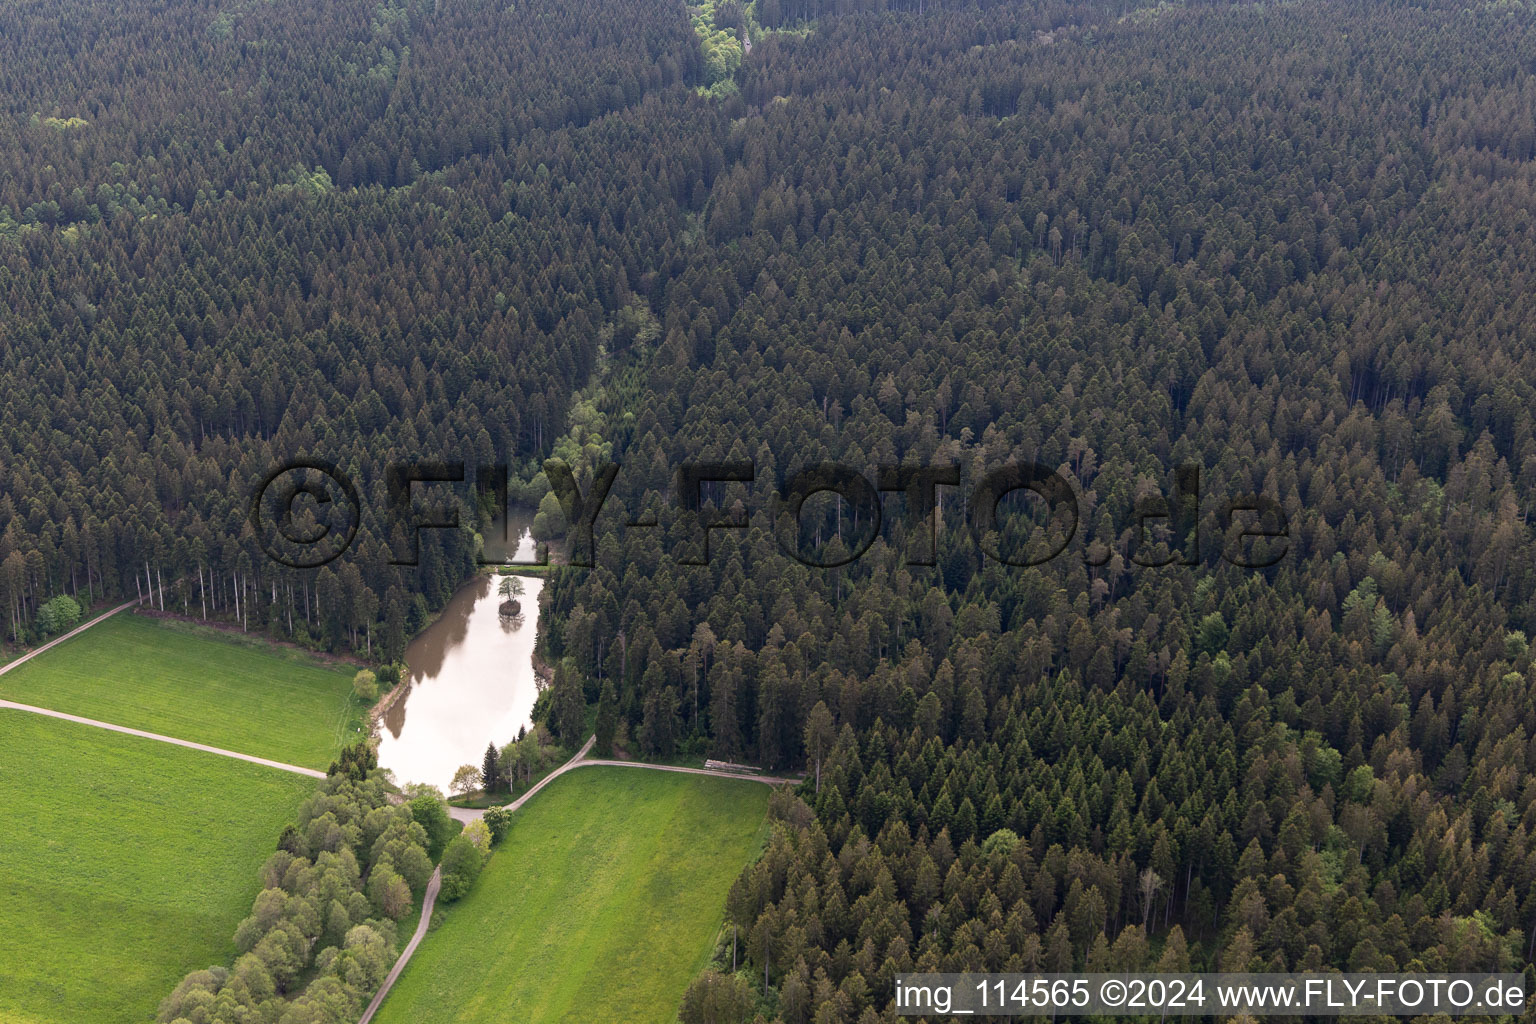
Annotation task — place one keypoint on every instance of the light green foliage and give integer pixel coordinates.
(123, 871)
(431, 813)
(523, 760)
(1153, 13)
(321, 930)
(584, 446)
(498, 820)
(479, 834)
(195, 684)
(722, 49)
(1002, 842)
(549, 522)
(311, 183)
(1360, 785)
(600, 905)
(365, 685)
(59, 123)
(1323, 764)
(635, 325)
(462, 863)
(59, 615)
(465, 780)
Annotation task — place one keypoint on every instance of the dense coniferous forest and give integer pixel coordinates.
(1289, 244)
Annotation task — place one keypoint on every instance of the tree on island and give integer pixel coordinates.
(511, 589)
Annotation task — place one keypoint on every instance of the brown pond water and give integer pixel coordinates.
(471, 682)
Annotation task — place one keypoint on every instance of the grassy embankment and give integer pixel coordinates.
(601, 904)
(197, 684)
(124, 863)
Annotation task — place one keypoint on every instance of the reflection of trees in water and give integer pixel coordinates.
(394, 717)
(427, 652)
(504, 538)
(470, 671)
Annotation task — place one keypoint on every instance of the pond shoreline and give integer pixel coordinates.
(471, 677)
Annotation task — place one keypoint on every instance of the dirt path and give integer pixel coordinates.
(468, 814)
(464, 814)
(771, 780)
(13, 706)
(580, 760)
(34, 652)
(49, 713)
(428, 901)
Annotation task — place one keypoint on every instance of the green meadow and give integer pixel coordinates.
(197, 684)
(600, 906)
(124, 863)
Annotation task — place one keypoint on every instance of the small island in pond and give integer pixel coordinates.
(511, 588)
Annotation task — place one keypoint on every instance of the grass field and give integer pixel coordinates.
(124, 863)
(196, 684)
(599, 907)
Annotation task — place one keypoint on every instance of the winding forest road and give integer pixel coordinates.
(428, 900)
(580, 760)
(464, 814)
(468, 814)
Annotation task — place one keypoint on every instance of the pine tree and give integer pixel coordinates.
(607, 719)
(490, 775)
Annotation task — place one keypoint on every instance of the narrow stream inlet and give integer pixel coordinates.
(471, 681)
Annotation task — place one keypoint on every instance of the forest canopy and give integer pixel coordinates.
(1290, 244)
